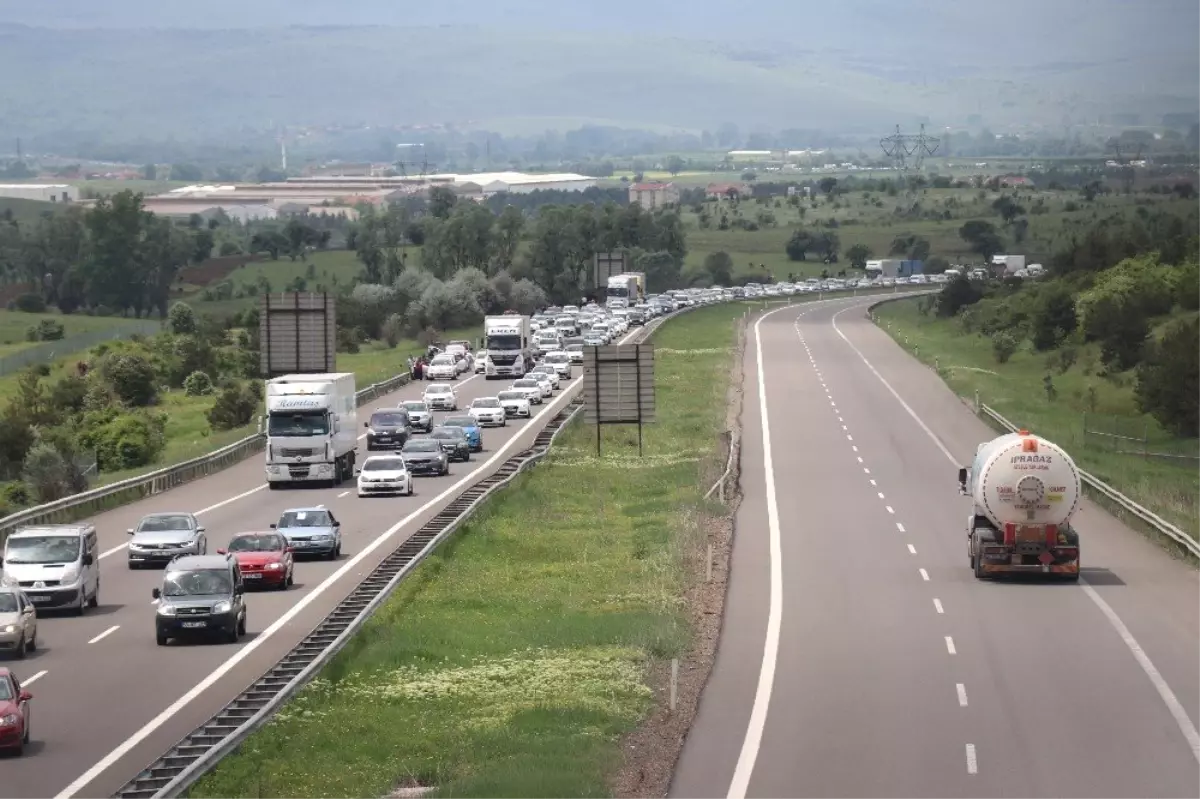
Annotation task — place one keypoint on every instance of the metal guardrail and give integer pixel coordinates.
(203, 748)
(1156, 522)
(133, 489)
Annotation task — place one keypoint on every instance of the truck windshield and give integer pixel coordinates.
(618, 291)
(506, 343)
(42, 549)
(298, 424)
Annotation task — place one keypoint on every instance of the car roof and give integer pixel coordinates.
(160, 514)
(313, 509)
(198, 562)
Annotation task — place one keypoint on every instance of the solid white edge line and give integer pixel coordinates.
(962, 694)
(1174, 707)
(32, 678)
(972, 763)
(105, 634)
(158, 721)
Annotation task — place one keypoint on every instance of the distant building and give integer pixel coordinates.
(725, 190)
(1014, 181)
(653, 195)
(43, 192)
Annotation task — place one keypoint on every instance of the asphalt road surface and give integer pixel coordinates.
(108, 700)
(860, 656)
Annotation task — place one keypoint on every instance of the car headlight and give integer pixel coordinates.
(10, 628)
(9, 581)
(222, 607)
(274, 566)
(166, 610)
(9, 720)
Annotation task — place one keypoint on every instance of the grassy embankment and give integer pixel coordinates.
(1168, 486)
(512, 661)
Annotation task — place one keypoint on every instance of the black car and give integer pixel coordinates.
(454, 442)
(201, 595)
(388, 429)
(425, 456)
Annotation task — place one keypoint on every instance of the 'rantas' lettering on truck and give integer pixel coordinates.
(298, 403)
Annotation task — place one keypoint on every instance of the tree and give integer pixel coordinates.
(441, 202)
(675, 164)
(181, 319)
(1053, 318)
(1168, 380)
(910, 246)
(981, 235)
(799, 244)
(956, 295)
(827, 185)
(858, 255)
(719, 266)
(507, 237)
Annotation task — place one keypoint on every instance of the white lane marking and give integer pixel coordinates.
(1160, 684)
(343, 494)
(876, 484)
(350, 565)
(937, 605)
(912, 549)
(972, 763)
(220, 672)
(900, 527)
(924, 575)
(889, 509)
(865, 469)
(33, 678)
(855, 448)
(878, 492)
(840, 419)
(950, 645)
(105, 634)
(1174, 707)
(849, 437)
(962, 694)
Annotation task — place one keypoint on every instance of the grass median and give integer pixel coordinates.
(512, 662)
(1081, 412)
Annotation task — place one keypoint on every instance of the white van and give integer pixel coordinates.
(56, 565)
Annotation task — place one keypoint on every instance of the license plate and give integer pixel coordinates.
(194, 625)
(35, 598)
(251, 576)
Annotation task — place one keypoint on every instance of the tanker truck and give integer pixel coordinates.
(1025, 490)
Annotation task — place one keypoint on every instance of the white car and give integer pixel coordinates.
(384, 474)
(480, 361)
(516, 403)
(488, 411)
(442, 367)
(531, 388)
(561, 362)
(543, 382)
(575, 353)
(441, 397)
(548, 372)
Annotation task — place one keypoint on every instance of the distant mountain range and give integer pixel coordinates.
(130, 69)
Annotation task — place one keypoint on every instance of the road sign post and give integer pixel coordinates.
(618, 388)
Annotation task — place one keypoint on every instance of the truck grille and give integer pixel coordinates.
(296, 453)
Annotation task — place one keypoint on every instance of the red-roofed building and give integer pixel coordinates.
(721, 191)
(653, 195)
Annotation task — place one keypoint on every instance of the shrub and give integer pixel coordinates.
(1004, 346)
(393, 329)
(132, 378)
(47, 473)
(234, 407)
(46, 330)
(1168, 380)
(127, 440)
(30, 303)
(181, 319)
(197, 384)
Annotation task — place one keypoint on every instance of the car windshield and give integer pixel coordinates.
(202, 582)
(556, 357)
(442, 360)
(384, 465)
(258, 543)
(448, 432)
(575, 347)
(486, 402)
(438, 390)
(298, 424)
(42, 549)
(6, 694)
(388, 419)
(304, 518)
(418, 407)
(8, 603)
(420, 445)
(459, 421)
(511, 395)
(158, 524)
(526, 384)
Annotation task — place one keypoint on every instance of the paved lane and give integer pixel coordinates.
(897, 673)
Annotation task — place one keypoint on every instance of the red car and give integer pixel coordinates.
(14, 713)
(264, 558)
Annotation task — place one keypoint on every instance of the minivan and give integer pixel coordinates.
(201, 595)
(56, 565)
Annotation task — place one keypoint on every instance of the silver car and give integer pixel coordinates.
(161, 537)
(419, 415)
(18, 622)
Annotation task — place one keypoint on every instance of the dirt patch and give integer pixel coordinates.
(651, 751)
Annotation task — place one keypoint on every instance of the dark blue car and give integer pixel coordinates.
(470, 427)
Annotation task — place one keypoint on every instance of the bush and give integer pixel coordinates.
(46, 330)
(181, 319)
(127, 441)
(30, 303)
(197, 384)
(132, 378)
(393, 330)
(234, 407)
(47, 473)
(1168, 380)
(1004, 346)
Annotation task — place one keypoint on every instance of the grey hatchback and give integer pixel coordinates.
(201, 595)
(454, 442)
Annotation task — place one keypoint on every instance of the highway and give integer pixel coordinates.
(859, 656)
(108, 700)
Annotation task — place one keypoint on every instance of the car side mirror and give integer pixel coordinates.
(367, 424)
(129, 531)
(289, 549)
(28, 610)
(88, 560)
(272, 525)
(222, 552)
(199, 529)
(156, 593)
(24, 696)
(962, 477)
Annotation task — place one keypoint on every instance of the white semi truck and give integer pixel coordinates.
(1025, 490)
(312, 427)
(626, 290)
(507, 341)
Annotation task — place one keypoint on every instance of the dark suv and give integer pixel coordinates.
(388, 429)
(201, 595)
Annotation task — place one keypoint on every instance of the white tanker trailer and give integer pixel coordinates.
(1025, 490)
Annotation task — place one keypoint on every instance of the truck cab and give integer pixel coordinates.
(311, 428)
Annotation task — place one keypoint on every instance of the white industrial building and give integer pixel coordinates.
(520, 182)
(44, 192)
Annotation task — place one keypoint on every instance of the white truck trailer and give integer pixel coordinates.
(312, 428)
(1025, 490)
(507, 339)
